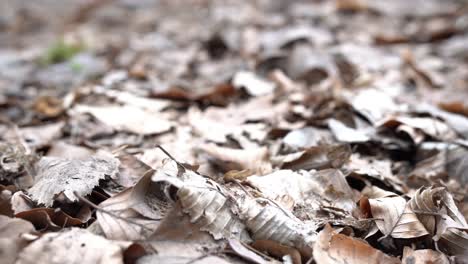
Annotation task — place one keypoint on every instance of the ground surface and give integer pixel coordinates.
(233, 131)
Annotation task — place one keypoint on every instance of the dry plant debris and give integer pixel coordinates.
(202, 131)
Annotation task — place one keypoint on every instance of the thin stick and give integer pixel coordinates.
(395, 225)
(171, 157)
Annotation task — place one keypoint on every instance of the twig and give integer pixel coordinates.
(395, 225)
(171, 157)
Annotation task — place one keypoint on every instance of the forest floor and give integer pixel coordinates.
(233, 131)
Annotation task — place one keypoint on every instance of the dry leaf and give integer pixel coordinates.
(65, 176)
(277, 250)
(73, 246)
(430, 126)
(307, 137)
(423, 256)
(134, 213)
(346, 134)
(48, 219)
(11, 239)
(254, 159)
(320, 157)
(127, 118)
(252, 84)
(246, 253)
(41, 136)
(306, 189)
(334, 248)
(212, 207)
(394, 218)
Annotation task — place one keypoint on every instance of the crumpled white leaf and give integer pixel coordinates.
(59, 175)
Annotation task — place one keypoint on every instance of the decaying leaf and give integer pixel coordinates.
(134, 213)
(346, 134)
(48, 219)
(307, 189)
(65, 176)
(395, 218)
(40, 136)
(244, 252)
(277, 250)
(430, 126)
(11, 240)
(320, 157)
(73, 245)
(212, 207)
(253, 84)
(254, 159)
(332, 247)
(127, 118)
(423, 256)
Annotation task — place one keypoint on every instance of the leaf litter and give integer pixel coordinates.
(234, 132)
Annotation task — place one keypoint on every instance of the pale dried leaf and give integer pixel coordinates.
(430, 126)
(346, 134)
(307, 137)
(428, 202)
(254, 85)
(128, 118)
(11, 240)
(68, 151)
(451, 237)
(73, 246)
(306, 188)
(134, 213)
(254, 159)
(394, 218)
(242, 251)
(59, 175)
(40, 136)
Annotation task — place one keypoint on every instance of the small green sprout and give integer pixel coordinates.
(60, 52)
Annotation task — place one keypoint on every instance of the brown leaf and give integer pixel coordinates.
(321, 157)
(49, 106)
(423, 256)
(6, 193)
(277, 250)
(244, 252)
(337, 248)
(452, 237)
(430, 126)
(49, 219)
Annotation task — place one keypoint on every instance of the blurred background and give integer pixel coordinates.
(50, 47)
